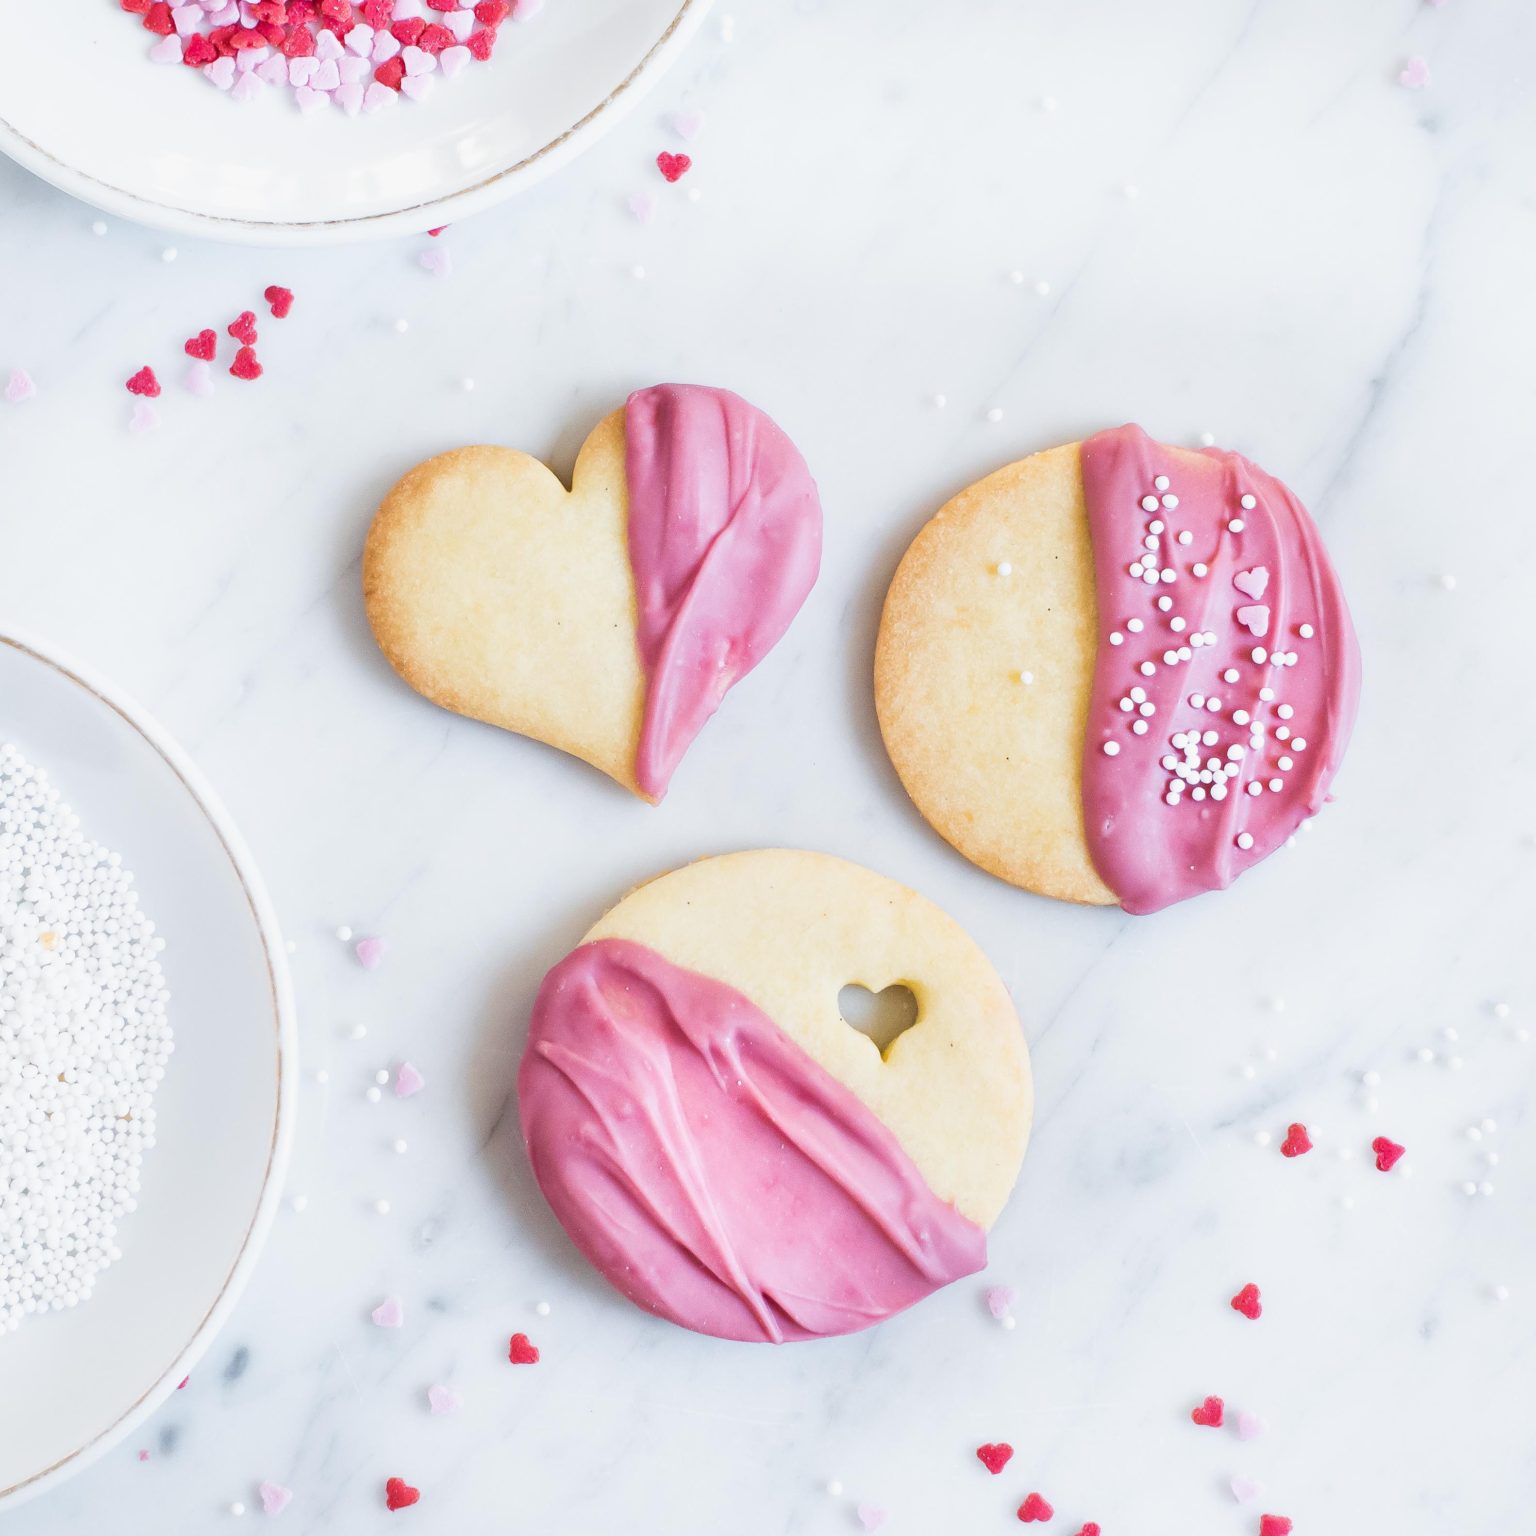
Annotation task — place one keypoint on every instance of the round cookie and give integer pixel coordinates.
(609, 620)
(729, 1152)
(1118, 671)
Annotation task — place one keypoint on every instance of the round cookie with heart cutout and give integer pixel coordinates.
(1118, 671)
(610, 619)
(728, 1151)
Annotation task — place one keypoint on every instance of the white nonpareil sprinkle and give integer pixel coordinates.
(84, 1042)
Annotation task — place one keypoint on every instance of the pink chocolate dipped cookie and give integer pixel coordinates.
(1118, 671)
(609, 620)
(725, 1148)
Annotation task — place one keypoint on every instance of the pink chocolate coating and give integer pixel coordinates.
(724, 542)
(1254, 589)
(711, 1170)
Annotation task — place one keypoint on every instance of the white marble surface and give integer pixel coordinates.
(1319, 267)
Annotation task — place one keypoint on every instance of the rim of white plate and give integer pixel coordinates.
(284, 1026)
(411, 220)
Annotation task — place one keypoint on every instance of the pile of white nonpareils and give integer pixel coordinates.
(84, 1043)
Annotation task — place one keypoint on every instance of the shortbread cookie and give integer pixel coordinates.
(611, 619)
(729, 1152)
(1118, 671)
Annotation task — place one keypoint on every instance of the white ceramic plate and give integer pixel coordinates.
(83, 107)
(73, 1383)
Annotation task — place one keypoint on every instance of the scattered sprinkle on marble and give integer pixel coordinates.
(1210, 1414)
(19, 387)
(673, 167)
(1244, 1489)
(994, 1456)
(1247, 1302)
(542, 1309)
(344, 933)
(299, 1204)
(373, 1095)
(687, 122)
(443, 1400)
(408, 1081)
(398, 1494)
(1035, 1507)
(381, 1207)
(436, 259)
(1297, 1142)
(237, 1509)
(274, 1497)
(144, 383)
(872, 1516)
(390, 1313)
(369, 952)
(1274, 1525)
(1387, 1152)
(995, 414)
(522, 1351)
(642, 206)
(1414, 75)
(1249, 1425)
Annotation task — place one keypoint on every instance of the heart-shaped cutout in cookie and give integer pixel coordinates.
(883, 1016)
(608, 620)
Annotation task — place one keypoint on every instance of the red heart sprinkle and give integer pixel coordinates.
(136, 7)
(398, 1494)
(994, 1457)
(435, 38)
(1210, 1413)
(408, 29)
(491, 13)
(1035, 1508)
(197, 50)
(1387, 1153)
(203, 345)
(673, 166)
(481, 43)
(1090, 1529)
(391, 72)
(1296, 1141)
(245, 365)
(280, 299)
(1247, 1302)
(522, 1352)
(158, 19)
(1274, 1525)
(243, 328)
(144, 382)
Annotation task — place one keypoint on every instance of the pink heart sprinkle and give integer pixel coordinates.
(349, 97)
(369, 951)
(274, 1497)
(408, 1081)
(19, 386)
(642, 205)
(328, 76)
(1245, 1490)
(1255, 619)
(452, 60)
(523, 9)
(686, 124)
(418, 87)
(1000, 1300)
(444, 1400)
(418, 61)
(1415, 74)
(385, 46)
(302, 71)
(246, 88)
(144, 417)
(328, 46)
(378, 96)
(274, 70)
(309, 101)
(460, 23)
(167, 50)
(221, 72)
(872, 1516)
(436, 260)
(1252, 583)
(199, 379)
(360, 39)
(1249, 1426)
(389, 1313)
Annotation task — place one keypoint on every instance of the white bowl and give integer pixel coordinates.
(75, 1382)
(83, 106)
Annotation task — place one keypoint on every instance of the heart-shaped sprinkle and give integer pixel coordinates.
(245, 365)
(1414, 75)
(1387, 1153)
(1274, 1525)
(369, 952)
(642, 206)
(1210, 1413)
(19, 386)
(1254, 617)
(390, 1313)
(1089, 1529)
(221, 72)
(279, 300)
(243, 328)
(1000, 1300)
(144, 383)
(408, 1081)
(203, 345)
(436, 260)
(143, 418)
(1252, 583)
(673, 167)
(1296, 1141)
(1249, 1425)
(1245, 1490)
(872, 1516)
(686, 124)
(522, 1351)
(274, 1497)
(994, 1457)
(443, 1400)
(1035, 1507)
(1247, 1302)
(199, 380)
(167, 51)
(398, 1494)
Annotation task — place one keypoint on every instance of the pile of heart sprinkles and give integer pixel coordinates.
(359, 57)
(84, 1042)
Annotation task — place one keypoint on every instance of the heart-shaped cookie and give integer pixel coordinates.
(731, 1153)
(608, 620)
